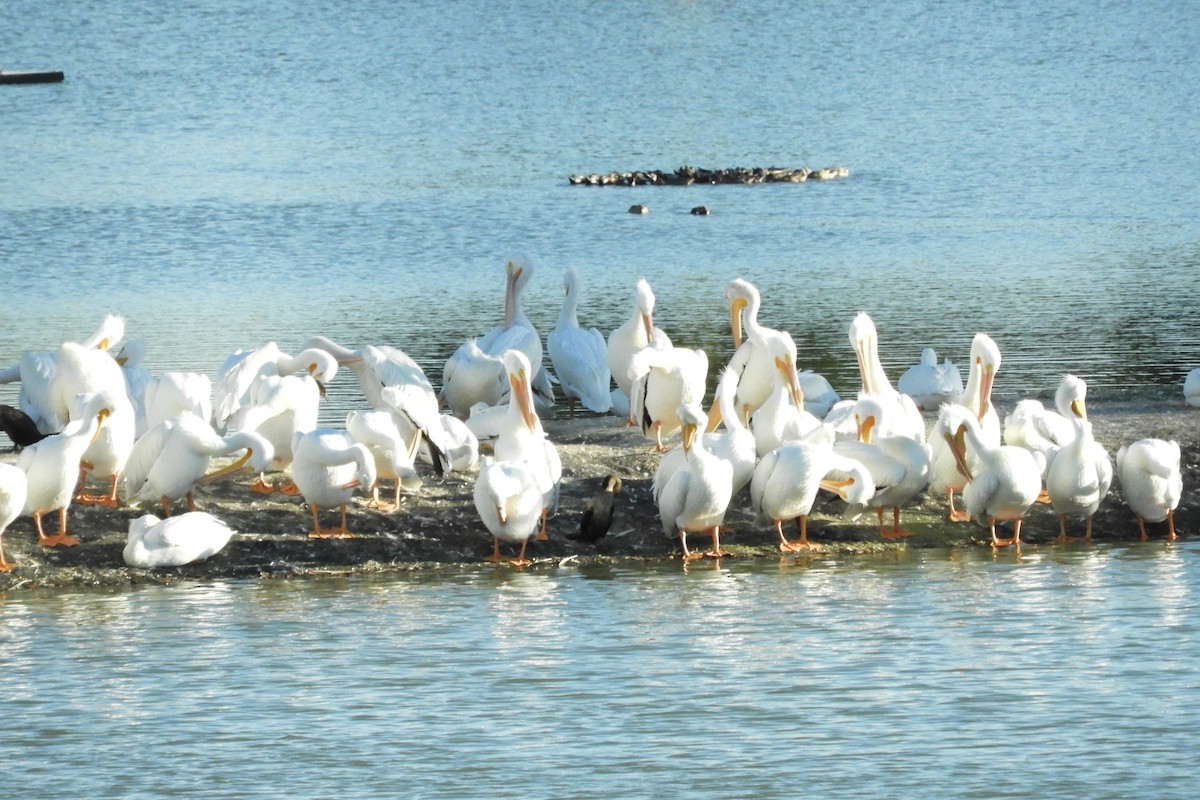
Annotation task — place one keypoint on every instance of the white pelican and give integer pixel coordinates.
(671, 377)
(51, 469)
(819, 394)
(1080, 472)
(277, 408)
(175, 541)
(327, 466)
(393, 456)
(84, 370)
(735, 444)
(36, 371)
(129, 358)
(785, 483)
(1002, 481)
(783, 418)
(472, 377)
(626, 341)
(1151, 479)
(522, 437)
(231, 392)
(977, 396)
(175, 393)
(509, 503)
(174, 457)
(108, 454)
(930, 384)
(579, 356)
(1191, 388)
(753, 359)
(1038, 429)
(12, 503)
(460, 443)
(898, 465)
(904, 418)
(696, 497)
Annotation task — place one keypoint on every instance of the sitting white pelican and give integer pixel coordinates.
(626, 341)
(393, 455)
(1002, 481)
(786, 480)
(175, 541)
(1151, 479)
(12, 503)
(174, 457)
(108, 454)
(231, 391)
(930, 384)
(51, 469)
(327, 466)
(472, 377)
(509, 503)
(946, 478)
(1191, 388)
(36, 371)
(783, 418)
(735, 444)
(522, 438)
(898, 465)
(753, 359)
(579, 356)
(696, 497)
(670, 377)
(904, 418)
(277, 408)
(1080, 472)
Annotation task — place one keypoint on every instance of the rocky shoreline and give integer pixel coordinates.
(439, 528)
(687, 176)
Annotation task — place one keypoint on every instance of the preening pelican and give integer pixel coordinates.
(509, 503)
(670, 377)
(393, 455)
(904, 418)
(231, 392)
(782, 418)
(522, 438)
(786, 480)
(12, 503)
(598, 512)
(108, 454)
(129, 358)
(175, 456)
(579, 356)
(1151, 479)
(1080, 472)
(977, 397)
(51, 469)
(175, 541)
(1191, 388)
(327, 466)
(1039, 430)
(174, 393)
(899, 466)
(696, 497)
(754, 358)
(931, 384)
(1002, 481)
(626, 341)
(472, 377)
(277, 408)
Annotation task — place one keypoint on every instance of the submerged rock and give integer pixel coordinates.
(685, 176)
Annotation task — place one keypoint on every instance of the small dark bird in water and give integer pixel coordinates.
(701, 211)
(19, 426)
(598, 513)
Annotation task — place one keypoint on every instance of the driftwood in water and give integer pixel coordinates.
(685, 176)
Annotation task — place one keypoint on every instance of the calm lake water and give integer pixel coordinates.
(229, 173)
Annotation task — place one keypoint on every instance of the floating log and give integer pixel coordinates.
(52, 76)
(686, 176)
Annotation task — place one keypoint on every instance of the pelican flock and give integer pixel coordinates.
(86, 418)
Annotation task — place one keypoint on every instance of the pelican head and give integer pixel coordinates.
(693, 419)
(1070, 396)
(516, 364)
(518, 271)
(645, 307)
(739, 293)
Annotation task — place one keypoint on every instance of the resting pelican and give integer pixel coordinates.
(977, 397)
(1191, 388)
(108, 454)
(509, 502)
(393, 456)
(175, 541)
(12, 503)
(819, 394)
(51, 470)
(579, 356)
(1152, 481)
(904, 418)
(785, 483)
(36, 372)
(1002, 481)
(898, 465)
(735, 444)
(1081, 472)
(522, 438)
(472, 377)
(753, 359)
(231, 392)
(626, 341)
(278, 407)
(670, 377)
(327, 466)
(598, 512)
(174, 457)
(695, 498)
(782, 418)
(930, 384)
(1039, 430)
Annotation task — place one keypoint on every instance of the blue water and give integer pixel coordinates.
(224, 174)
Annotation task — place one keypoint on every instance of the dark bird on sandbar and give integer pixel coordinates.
(19, 426)
(598, 512)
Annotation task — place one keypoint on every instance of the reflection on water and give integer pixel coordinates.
(897, 674)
